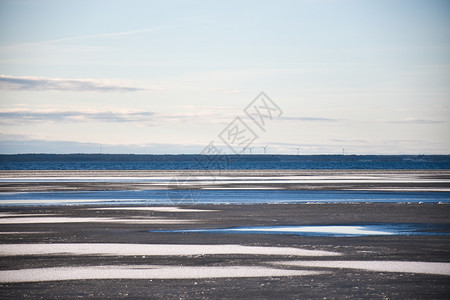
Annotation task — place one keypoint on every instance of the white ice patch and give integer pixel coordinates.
(151, 250)
(144, 272)
(153, 208)
(69, 201)
(52, 220)
(345, 230)
(437, 268)
(23, 232)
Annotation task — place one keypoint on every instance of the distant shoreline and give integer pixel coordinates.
(218, 162)
(231, 154)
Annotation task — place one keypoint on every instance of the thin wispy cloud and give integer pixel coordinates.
(190, 115)
(28, 116)
(81, 38)
(26, 83)
(235, 91)
(103, 35)
(417, 121)
(354, 141)
(310, 119)
(21, 116)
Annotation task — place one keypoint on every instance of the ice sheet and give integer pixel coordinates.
(145, 272)
(438, 268)
(333, 230)
(154, 208)
(109, 249)
(24, 232)
(344, 230)
(51, 220)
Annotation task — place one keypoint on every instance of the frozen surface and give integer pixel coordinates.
(144, 272)
(24, 232)
(344, 230)
(335, 230)
(109, 249)
(50, 220)
(154, 208)
(437, 268)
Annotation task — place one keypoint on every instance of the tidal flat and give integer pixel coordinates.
(61, 239)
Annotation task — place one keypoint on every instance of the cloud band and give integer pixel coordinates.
(26, 83)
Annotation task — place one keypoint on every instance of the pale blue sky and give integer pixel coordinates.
(168, 76)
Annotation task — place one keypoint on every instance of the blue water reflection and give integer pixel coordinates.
(333, 230)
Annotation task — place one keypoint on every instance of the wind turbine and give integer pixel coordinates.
(244, 149)
(250, 149)
(265, 148)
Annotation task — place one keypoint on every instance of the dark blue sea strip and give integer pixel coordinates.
(227, 162)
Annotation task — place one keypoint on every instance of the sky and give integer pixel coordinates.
(154, 77)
